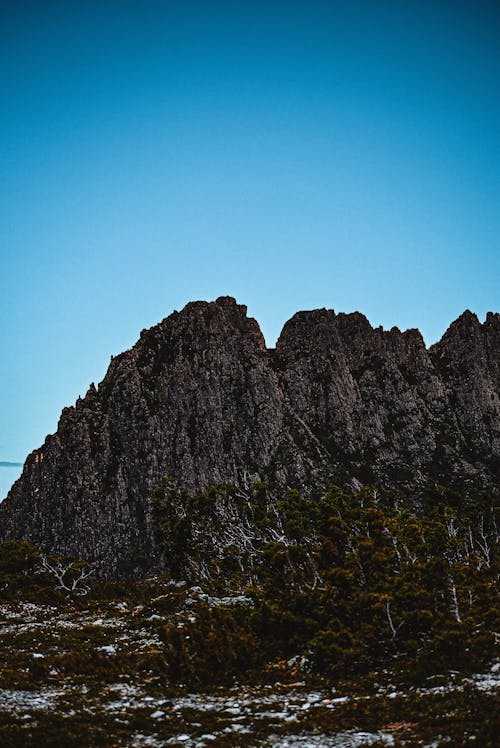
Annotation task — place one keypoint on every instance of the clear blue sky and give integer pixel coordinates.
(294, 155)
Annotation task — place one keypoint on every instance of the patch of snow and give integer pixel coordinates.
(233, 710)
(486, 681)
(20, 701)
(107, 649)
(158, 714)
(141, 741)
(348, 739)
(274, 715)
(242, 729)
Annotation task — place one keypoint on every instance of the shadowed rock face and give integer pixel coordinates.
(200, 398)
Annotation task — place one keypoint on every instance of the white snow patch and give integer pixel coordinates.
(141, 741)
(348, 739)
(21, 701)
(107, 649)
(158, 714)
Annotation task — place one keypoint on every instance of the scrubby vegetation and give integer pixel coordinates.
(278, 619)
(349, 582)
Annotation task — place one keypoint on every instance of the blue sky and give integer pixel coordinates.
(294, 155)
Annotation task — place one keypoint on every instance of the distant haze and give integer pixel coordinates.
(7, 476)
(294, 155)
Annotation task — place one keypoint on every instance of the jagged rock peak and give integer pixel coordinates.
(206, 317)
(199, 397)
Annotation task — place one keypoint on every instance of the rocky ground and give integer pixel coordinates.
(93, 673)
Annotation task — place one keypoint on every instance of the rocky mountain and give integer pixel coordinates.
(200, 398)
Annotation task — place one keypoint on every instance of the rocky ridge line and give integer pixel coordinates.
(201, 398)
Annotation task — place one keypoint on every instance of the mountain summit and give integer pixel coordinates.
(200, 398)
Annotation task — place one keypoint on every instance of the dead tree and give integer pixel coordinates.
(70, 576)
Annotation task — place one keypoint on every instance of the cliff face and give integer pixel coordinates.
(200, 398)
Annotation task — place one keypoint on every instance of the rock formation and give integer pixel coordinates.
(201, 398)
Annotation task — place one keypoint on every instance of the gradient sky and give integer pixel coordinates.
(294, 155)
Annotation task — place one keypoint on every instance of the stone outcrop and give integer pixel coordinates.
(201, 398)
